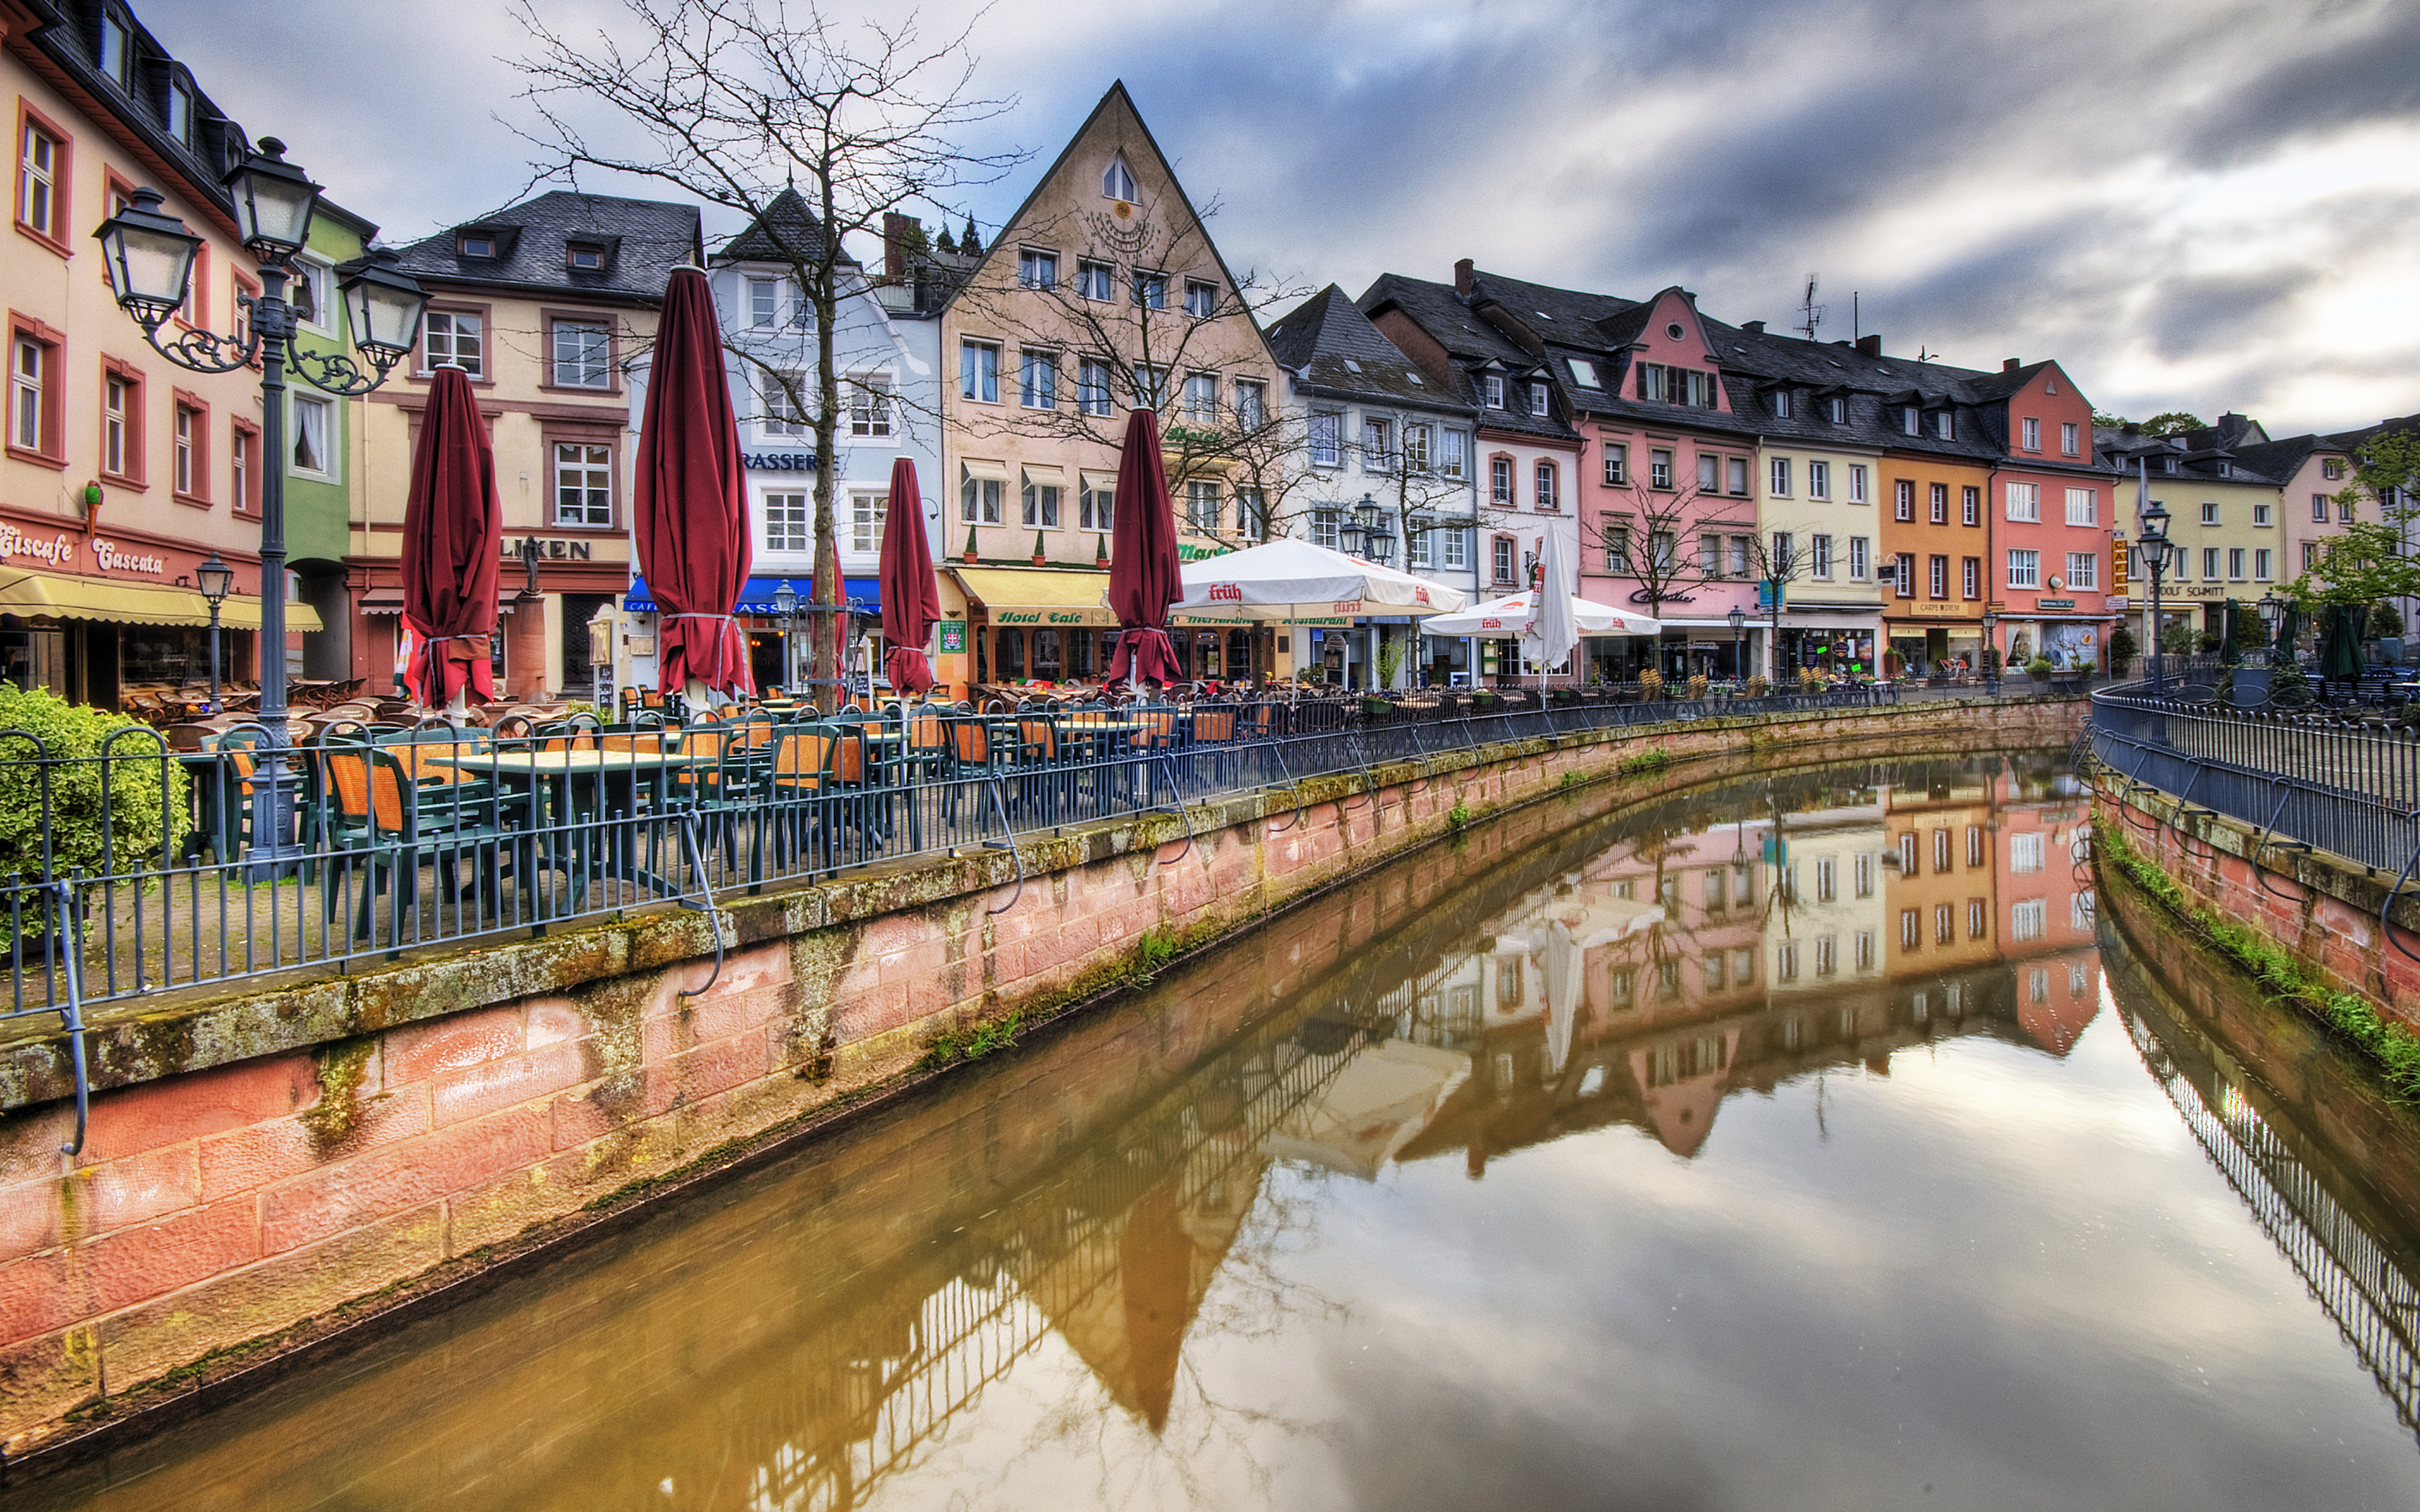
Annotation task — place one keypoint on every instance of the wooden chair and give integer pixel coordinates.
(380, 823)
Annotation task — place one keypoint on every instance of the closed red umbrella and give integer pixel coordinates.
(1142, 559)
(690, 502)
(910, 601)
(453, 546)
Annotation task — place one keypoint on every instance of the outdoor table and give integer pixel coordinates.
(581, 787)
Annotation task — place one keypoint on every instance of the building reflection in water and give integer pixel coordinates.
(810, 1334)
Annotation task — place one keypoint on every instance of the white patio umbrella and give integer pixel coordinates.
(1558, 583)
(1289, 579)
(1516, 616)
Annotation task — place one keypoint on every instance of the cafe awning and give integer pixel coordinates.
(1038, 596)
(67, 596)
(243, 613)
(756, 595)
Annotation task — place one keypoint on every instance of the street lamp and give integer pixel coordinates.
(1991, 654)
(785, 605)
(216, 579)
(2153, 542)
(1739, 623)
(150, 259)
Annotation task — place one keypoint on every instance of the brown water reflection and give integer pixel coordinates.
(1403, 1200)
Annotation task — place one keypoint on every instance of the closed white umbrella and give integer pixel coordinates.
(1516, 616)
(1559, 632)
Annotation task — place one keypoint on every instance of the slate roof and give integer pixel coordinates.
(2352, 440)
(72, 40)
(1334, 348)
(644, 240)
(1473, 346)
(788, 233)
(2280, 460)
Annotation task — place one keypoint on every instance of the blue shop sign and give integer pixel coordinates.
(778, 461)
(864, 596)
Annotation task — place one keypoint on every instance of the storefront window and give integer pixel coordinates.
(1008, 655)
(1046, 661)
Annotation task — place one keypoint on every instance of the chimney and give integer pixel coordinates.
(894, 253)
(2010, 365)
(1871, 346)
(1754, 328)
(1464, 280)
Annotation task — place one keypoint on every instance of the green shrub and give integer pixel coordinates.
(2122, 651)
(137, 814)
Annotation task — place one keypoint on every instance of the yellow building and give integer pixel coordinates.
(546, 305)
(1102, 292)
(121, 471)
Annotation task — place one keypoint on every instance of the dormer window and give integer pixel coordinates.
(1117, 182)
(1491, 388)
(117, 52)
(1945, 426)
(1583, 371)
(475, 244)
(180, 113)
(1781, 404)
(585, 257)
(1910, 420)
(1839, 409)
(1538, 404)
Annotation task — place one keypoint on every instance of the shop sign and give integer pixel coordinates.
(1940, 611)
(1035, 616)
(2054, 603)
(53, 549)
(954, 636)
(551, 550)
(778, 461)
(109, 558)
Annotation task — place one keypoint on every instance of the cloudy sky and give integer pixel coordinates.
(2193, 204)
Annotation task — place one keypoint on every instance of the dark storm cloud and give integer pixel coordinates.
(2188, 316)
(2362, 63)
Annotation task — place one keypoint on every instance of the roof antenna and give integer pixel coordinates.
(1812, 311)
(1857, 320)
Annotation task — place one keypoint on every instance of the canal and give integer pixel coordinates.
(1807, 1141)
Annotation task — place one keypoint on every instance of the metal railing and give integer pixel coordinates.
(411, 837)
(2304, 781)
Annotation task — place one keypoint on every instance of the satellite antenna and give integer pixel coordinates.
(1812, 311)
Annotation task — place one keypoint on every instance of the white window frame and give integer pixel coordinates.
(1548, 478)
(1819, 480)
(867, 508)
(1776, 481)
(454, 337)
(2084, 506)
(1453, 454)
(869, 404)
(1252, 403)
(789, 521)
(2024, 567)
(1201, 299)
(321, 275)
(2032, 434)
(1818, 556)
(2264, 565)
(2024, 502)
(2084, 569)
(1617, 465)
(777, 418)
(1096, 387)
(595, 465)
(1327, 438)
(1095, 279)
(324, 412)
(2068, 442)
(1037, 378)
(1118, 180)
(1037, 267)
(1860, 558)
(979, 371)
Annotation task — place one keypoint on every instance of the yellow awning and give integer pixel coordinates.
(244, 614)
(63, 596)
(1038, 596)
(980, 467)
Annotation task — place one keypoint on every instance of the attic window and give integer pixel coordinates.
(1839, 410)
(1674, 331)
(584, 256)
(1117, 181)
(475, 244)
(2050, 386)
(1781, 404)
(1543, 315)
(1352, 366)
(1415, 379)
(1583, 371)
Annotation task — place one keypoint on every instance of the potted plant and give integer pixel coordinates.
(2040, 670)
(2122, 651)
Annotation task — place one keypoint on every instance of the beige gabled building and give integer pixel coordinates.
(1102, 289)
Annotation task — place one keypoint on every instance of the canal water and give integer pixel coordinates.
(1807, 1142)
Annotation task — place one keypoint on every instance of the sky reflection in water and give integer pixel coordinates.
(1780, 1145)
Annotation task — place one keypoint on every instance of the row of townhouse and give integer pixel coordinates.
(1450, 427)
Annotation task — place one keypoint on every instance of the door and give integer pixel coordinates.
(579, 677)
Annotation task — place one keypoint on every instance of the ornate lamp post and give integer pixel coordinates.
(786, 606)
(150, 259)
(2153, 542)
(216, 579)
(1991, 654)
(1738, 617)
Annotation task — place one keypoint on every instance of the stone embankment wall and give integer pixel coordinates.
(2329, 914)
(268, 1169)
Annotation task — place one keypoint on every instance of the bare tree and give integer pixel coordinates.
(734, 101)
(1652, 540)
(1128, 329)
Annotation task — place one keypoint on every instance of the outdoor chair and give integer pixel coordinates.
(380, 824)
